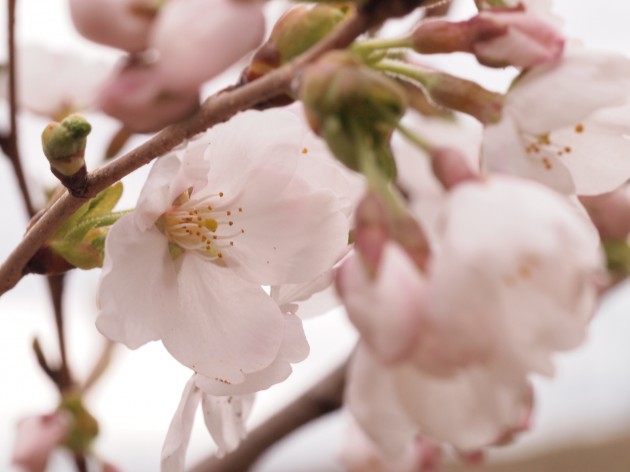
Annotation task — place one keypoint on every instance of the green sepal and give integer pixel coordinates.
(81, 239)
(83, 427)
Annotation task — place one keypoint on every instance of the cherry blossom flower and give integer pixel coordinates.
(187, 266)
(566, 125)
(36, 438)
(501, 295)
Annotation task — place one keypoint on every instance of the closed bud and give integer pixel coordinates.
(353, 108)
(451, 167)
(497, 38)
(295, 32)
(64, 144)
(463, 95)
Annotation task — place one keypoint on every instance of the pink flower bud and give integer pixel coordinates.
(122, 24)
(497, 39)
(451, 167)
(610, 213)
(135, 96)
(36, 437)
(527, 42)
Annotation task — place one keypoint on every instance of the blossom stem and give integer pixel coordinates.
(325, 397)
(371, 45)
(413, 138)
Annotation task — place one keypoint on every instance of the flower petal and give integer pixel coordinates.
(178, 435)
(138, 282)
(223, 327)
(225, 419)
(469, 410)
(294, 348)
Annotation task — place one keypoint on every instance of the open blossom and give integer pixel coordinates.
(187, 265)
(500, 296)
(566, 125)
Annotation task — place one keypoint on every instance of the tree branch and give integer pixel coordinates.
(323, 398)
(216, 109)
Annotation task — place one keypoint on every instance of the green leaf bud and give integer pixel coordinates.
(64, 144)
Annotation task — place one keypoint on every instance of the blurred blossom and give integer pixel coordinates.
(36, 438)
(177, 45)
(500, 296)
(565, 125)
(72, 87)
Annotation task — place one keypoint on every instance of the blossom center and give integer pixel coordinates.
(542, 147)
(202, 225)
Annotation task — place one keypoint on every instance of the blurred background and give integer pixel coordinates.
(582, 416)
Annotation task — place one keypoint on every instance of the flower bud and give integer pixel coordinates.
(295, 32)
(450, 167)
(64, 144)
(354, 108)
(496, 38)
(463, 95)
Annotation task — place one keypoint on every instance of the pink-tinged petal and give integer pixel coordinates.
(160, 190)
(138, 96)
(525, 286)
(294, 348)
(287, 237)
(225, 419)
(317, 166)
(217, 34)
(73, 86)
(237, 151)
(566, 93)
(360, 454)
(122, 24)
(372, 399)
(178, 435)
(222, 327)
(36, 438)
(469, 410)
(610, 213)
(138, 285)
(527, 42)
(389, 310)
(504, 151)
(598, 156)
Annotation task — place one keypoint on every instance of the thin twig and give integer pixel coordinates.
(11, 143)
(216, 109)
(56, 285)
(323, 398)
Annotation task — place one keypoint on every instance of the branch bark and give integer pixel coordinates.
(323, 398)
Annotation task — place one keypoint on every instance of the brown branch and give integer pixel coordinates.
(323, 398)
(216, 109)
(10, 144)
